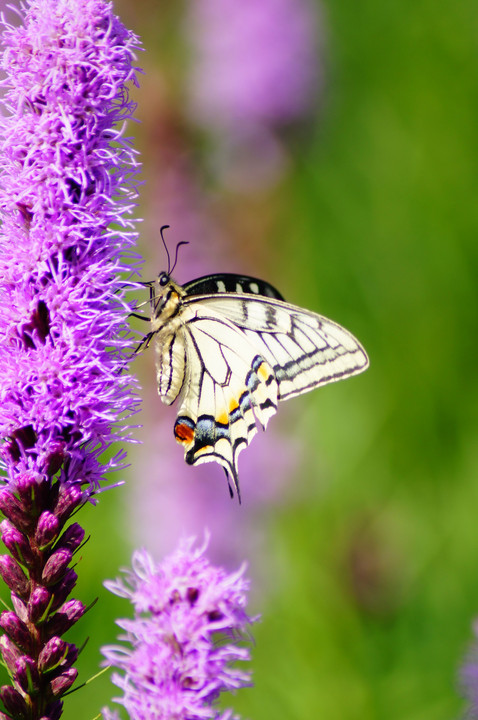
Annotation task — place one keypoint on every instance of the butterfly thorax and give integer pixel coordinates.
(166, 301)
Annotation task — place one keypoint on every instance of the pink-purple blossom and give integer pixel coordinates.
(187, 634)
(66, 175)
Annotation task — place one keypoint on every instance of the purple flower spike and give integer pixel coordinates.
(66, 176)
(62, 313)
(189, 617)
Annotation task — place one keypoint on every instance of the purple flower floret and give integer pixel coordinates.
(183, 640)
(66, 192)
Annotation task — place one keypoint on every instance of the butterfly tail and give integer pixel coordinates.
(231, 475)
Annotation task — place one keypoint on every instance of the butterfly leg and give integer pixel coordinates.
(143, 345)
(139, 317)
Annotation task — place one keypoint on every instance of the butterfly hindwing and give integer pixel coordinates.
(227, 387)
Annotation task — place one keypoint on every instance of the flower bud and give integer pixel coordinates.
(55, 566)
(68, 615)
(13, 576)
(52, 654)
(39, 604)
(20, 608)
(63, 589)
(55, 458)
(14, 702)
(72, 537)
(27, 485)
(16, 630)
(27, 675)
(10, 653)
(68, 500)
(12, 508)
(17, 544)
(63, 682)
(47, 530)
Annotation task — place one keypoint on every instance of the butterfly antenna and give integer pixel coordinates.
(161, 230)
(183, 242)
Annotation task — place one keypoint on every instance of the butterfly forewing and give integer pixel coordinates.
(230, 283)
(304, 349)
(229, 347)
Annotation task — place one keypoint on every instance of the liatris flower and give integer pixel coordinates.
(255, 69)
(63, 166)
(189, 617)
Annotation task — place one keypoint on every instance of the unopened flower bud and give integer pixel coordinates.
(55, 458)
(68, 615)
(56, 566)
(14, 576)
(17, 544)
(27, 485)
(14, 702)
(20, 608)
(72, 537)
(39, 604)
(47, 529)
(12, 508)
(16, 630)
(63, 682)
(52, 654)
(27, 675)
(69, 498)
(63, 588)
(10, 653)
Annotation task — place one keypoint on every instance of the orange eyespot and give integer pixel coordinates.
(183, 433)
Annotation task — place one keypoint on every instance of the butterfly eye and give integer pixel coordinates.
(163, 279)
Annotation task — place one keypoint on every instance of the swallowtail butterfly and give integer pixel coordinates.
(228, 349)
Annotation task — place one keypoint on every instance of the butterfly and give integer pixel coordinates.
(228, 349)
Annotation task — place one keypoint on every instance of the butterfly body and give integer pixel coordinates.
(229, 348)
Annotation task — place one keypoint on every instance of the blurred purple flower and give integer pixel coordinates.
(254, 69)
(183, 640)
(469, 678)
(255, 63)
(66, 175)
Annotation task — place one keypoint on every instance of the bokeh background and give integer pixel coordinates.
(331, 149)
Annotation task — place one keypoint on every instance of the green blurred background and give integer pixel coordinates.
(369, 611)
